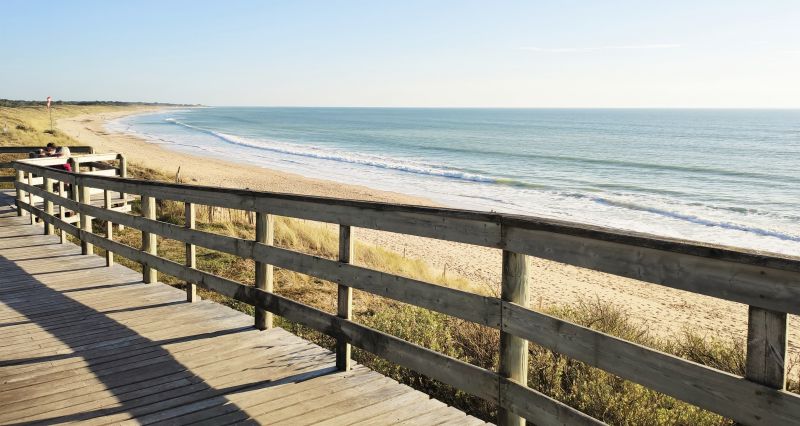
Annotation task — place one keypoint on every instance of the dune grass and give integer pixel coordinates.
(591, 390)
(30, 126)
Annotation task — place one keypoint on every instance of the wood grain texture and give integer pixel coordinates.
(766, 347)
(265, 234)
(344, 297)
(747, 402)
(96, 346)
(109, 226)
(513, 349)
(190, 221)
(149, 240)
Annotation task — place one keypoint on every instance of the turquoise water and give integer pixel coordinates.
(721, 176)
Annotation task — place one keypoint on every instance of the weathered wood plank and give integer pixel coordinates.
(714, 390)
(513, 349)
(344, 302)
(191, 251)
(713, 272)
(540, 408)
(766, 348)
(481, 309)
(86, 221)
(265, 234)
(761, 280)
(149, 240)
(26, 149)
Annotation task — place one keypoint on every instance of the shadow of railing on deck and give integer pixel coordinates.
(139, 373)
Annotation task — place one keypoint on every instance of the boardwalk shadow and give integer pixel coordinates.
(62, 360)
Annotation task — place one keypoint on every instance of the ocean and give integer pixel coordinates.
(728, 177)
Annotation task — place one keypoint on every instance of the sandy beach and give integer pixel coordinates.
(664, 310)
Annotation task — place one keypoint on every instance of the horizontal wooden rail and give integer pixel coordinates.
(762, 281)
(750, 278)
(27, 149)
(466, 377)
(697, 384)
(472, 307)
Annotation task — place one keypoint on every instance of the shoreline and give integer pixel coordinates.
(666, 311)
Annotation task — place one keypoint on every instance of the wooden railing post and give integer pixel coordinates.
(62, 211)
(30, 197)
(265, 234)
(109, 227)
(766, 347)
(86, 221)
(191, 253)
(76, 189)
(345, 298)
(20, 193)
(123, 173)
(48, 206)
(149, 244)
(513, 349)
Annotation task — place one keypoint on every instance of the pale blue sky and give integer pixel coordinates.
(405, 53)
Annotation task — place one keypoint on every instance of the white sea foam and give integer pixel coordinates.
(627, 207)
(325, 154)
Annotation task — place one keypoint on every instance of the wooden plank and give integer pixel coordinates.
(56, 174)
(149, 240)
(727, 394)
(105, 172)
(48, 205)
(540, 408)
(96, 157)
(382, 405)
(766, 348)
(707, 273)
(344, 305)
(109, 227)
(86, 221)
(474, 227)
(341, 403)
(62, 212)
(191, 251)
(27, 149)
(30, 195)
(265, 234)
(20, 193)
(252, 402)
(513, 349)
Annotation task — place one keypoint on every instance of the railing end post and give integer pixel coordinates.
(513, 349)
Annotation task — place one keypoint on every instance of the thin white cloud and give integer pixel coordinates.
(595, 48)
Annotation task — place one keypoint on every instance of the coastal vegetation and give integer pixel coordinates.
(588, 389)
(598, 393)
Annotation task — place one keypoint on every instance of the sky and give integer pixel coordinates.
(593, 54)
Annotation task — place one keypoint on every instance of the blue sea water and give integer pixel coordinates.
(720, 176)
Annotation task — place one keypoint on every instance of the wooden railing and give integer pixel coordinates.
(24, 150)
(770, 285)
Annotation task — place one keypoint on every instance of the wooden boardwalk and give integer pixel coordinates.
(83, 342)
